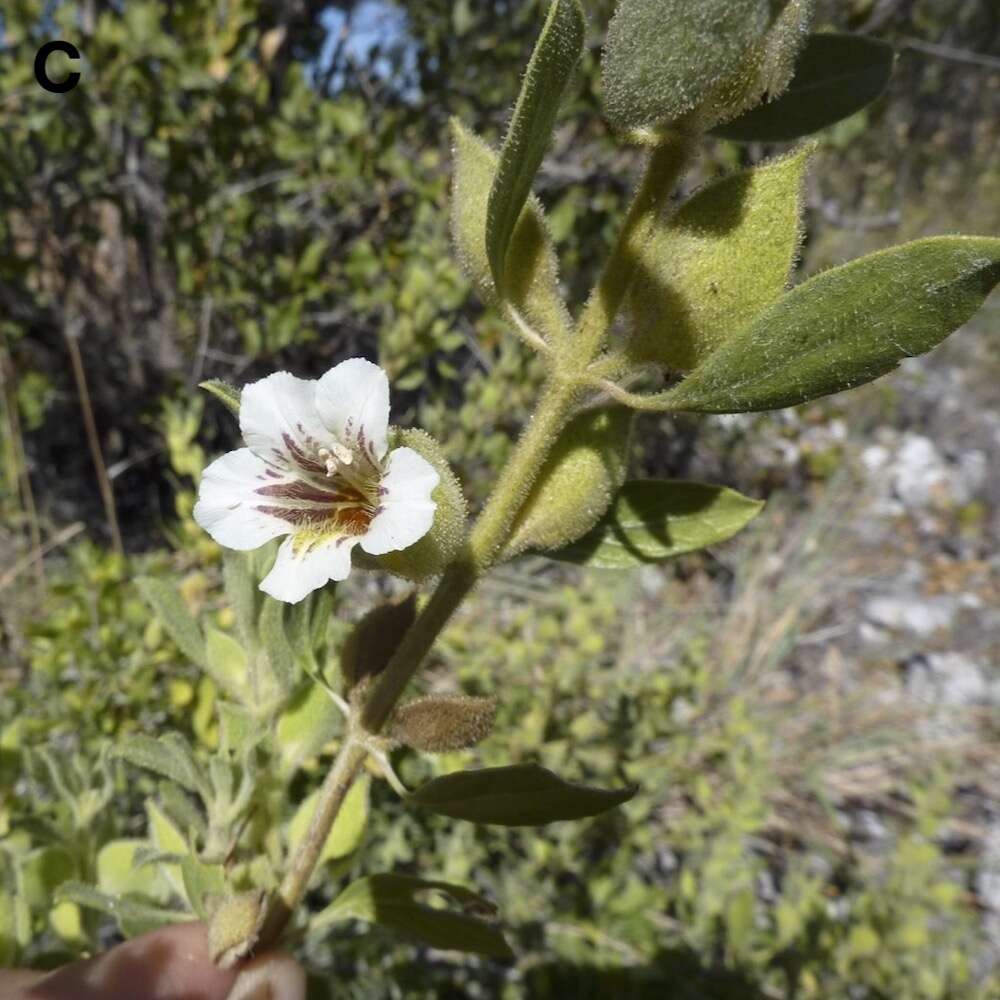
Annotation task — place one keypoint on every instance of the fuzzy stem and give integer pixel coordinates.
(296, 881)
(487, 537)
(664, 168)
(492, 527)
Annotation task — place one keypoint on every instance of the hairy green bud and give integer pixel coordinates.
(442, 723)
(234, 927)
(576, 484)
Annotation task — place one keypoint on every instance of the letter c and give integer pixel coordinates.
(42, 77)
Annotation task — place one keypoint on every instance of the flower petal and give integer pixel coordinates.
(299, 568)
(406, 510)
(280, 424)
(228, 506)
(353, 401)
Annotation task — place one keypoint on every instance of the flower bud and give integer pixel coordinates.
(440, 723)
(766, 70)
(235, 927)
(577, 483)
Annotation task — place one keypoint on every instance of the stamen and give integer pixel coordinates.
(335, 456)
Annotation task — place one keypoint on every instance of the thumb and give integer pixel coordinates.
(168, 964)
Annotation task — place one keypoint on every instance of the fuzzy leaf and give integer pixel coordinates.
(531, 278)
(347, 830)
(309, 721)
(133, 915)
(655, 520)
(169, 606)
(549, 70)
(167, 755)
(717, 263)
(226, 662)
(575, 486)
(203, 884)
(371, 643)
(241, 590)
(845, 327)
(835, 76)
(393, 902)
(665, 58)
(274, 639)
(519, 795)
(119, 871)
(227, 394)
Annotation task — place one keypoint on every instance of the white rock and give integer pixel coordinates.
(920, 616)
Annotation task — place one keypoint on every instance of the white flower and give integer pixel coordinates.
(317, 468)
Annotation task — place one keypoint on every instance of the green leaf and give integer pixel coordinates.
(652, 521)
(518, 795)
(577, 483)
(169, 606)
(845, 327)
(203, 884)
(274, 639)
(665, 58)
(133, 915)
(167, 838)
(531, 280)
(227, 394)
(835, 76)
(549, 70)
(226, 662)
(393, 902)
(241, 590)
(371, 643)
(168, 755)
(348, 828)
(118, 871)
(309, 721)
(717, 263)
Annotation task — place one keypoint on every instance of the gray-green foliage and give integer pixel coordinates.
(835, 76)
(715, 264)
(652, 521)
(530, 130)
(846, 326)
(531, 281)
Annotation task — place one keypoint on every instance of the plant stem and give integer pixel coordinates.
(296, 881)
(485, 541)
(664, 167)
(492, 528)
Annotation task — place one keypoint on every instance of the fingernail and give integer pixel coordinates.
(270, 977)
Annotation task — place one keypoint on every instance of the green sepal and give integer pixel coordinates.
(584, 470)
(845, 327)
(718, 262)
(531, 277)
(393, 901)
(518, 795)
(836, 75)
(556, 52)
(430, 555)
(654, 520)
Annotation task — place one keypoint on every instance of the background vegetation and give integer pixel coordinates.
(236, 188)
